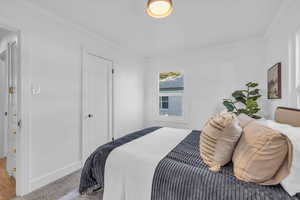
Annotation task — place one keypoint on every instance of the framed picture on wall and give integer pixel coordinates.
(274, 82)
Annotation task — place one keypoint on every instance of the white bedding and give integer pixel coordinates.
(291, 183)
(130, 168)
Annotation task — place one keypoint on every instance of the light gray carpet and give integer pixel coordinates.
(62, 189)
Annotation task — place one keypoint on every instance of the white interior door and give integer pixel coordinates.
(97, 102)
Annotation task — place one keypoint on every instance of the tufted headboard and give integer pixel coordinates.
(289, 116)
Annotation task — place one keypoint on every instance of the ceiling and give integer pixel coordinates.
(193, 24)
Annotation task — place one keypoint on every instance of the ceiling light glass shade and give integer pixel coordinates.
(159, 8)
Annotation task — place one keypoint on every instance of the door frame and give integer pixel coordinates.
(110, 134)
(5, 105)
(22, 140)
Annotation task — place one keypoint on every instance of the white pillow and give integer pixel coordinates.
(292, 182)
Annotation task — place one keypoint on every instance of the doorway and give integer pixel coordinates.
(9, 112)
(97, 86)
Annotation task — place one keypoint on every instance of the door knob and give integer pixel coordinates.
(90, 116)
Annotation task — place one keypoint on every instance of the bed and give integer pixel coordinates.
(133, 167)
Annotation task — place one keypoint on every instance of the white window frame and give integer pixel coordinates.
(166, 118)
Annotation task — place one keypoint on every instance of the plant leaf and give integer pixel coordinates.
(239, 96)
(252, 85)
(244, 111)
(245, 101)
(254, 92)
(229, 105)
(254, 98)
(238, 93)
(251, 103)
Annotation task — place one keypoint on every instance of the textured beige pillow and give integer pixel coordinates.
(218, 140)
(262, 156)
(245, 120)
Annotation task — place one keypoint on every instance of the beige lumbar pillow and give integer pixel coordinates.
(262, 156)
(244, 120)
(218, 140)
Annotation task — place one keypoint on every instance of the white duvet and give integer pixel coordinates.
(291, 183)
(130, 168)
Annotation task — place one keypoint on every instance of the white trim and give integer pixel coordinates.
(53, 176)
(23, 137)
(171, 94)
(110, 134)
(173, 119)
(5, 106)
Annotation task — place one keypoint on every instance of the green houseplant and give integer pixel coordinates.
(245, 101)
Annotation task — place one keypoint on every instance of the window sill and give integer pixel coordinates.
(173, 119)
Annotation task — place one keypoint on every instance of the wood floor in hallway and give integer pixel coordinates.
(7, 183)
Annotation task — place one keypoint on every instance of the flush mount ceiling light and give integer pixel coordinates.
(159, 8)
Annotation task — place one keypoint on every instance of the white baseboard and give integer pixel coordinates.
(39, 182)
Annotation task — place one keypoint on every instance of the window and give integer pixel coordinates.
(171, 88)
(164, 102)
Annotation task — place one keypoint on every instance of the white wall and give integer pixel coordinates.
(51, 58)
(281, 40)
(211, 74)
